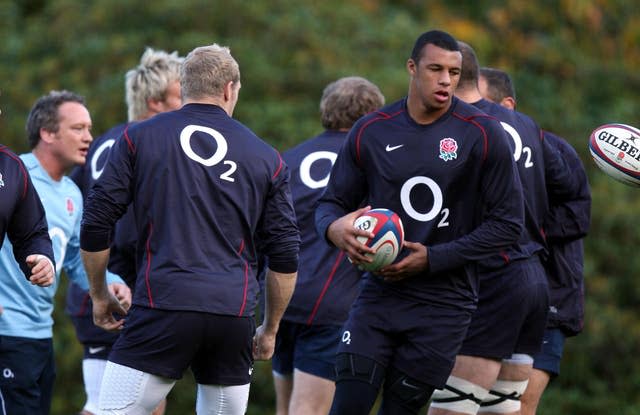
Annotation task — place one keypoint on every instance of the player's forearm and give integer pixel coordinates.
(279, 289)
(95, 264)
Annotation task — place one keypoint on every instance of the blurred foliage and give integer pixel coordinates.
(573, 62)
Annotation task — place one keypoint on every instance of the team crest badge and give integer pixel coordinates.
(448, 149)
(70, 207)
(1, 181)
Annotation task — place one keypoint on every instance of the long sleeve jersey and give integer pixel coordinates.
(207, 193)
(453, 183)
(28, 308)
(565, 227)
(122, 257)
(543, 173)
(327, 282)
(22, 217)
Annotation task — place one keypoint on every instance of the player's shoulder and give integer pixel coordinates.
(112, 133)
(108, 136)
(475, 117)
(328, 140)
(30, 162)
(388, 112)
(9, 159)
(559, 143)
(466, 112)
(526, 120)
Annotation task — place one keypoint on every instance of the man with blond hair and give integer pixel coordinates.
(209, 196)
(152, 87)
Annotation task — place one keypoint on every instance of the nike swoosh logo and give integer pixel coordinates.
(94, 350)
(391, 148)
(408, 385)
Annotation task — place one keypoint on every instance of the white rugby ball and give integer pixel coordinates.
(615, 148)
(387, 240)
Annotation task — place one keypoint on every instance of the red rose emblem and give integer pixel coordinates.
(448, 145)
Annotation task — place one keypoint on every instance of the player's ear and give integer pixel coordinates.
(228, 91)
(46, 135)
(508, 102)
(411, 66)
(155, 105)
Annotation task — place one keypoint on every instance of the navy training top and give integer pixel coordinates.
(22, 216)
(327, 282)
(543, 173)
(122, 255)
(453, 183)
(565, 226)
(204, 189)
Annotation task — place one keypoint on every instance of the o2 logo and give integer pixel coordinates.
(436, 210)
(217, 157)
(95, 173)
(519, 150)
(59, 242)
(305, 168)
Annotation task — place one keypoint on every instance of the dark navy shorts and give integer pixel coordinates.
(420, 340)
(548, 359)
(217, 348)
(512, 311)
(308, 348)
(28, 372)
(97, 342)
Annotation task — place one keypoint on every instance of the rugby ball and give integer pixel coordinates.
(387, 240)
(615, 148)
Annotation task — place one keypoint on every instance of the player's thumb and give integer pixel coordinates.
(119, 309)
(32, 260)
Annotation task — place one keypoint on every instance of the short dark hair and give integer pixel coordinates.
(435, 37)
(470, 66)
(44, 113)
(499, 85)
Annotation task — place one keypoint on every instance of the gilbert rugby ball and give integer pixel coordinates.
(615, 148)
(388, 236)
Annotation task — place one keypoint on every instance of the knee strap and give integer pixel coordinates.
(504, 397)
(459, 395)
(355, 367)
(402, 391)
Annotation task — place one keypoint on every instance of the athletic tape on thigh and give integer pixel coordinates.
(519, 359)
(131, 391)
(504, 397)
(92, 370)
(218, 399)
(121, 386)
(459, 395)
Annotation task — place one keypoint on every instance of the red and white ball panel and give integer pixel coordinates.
(388, 236)
(615, 149)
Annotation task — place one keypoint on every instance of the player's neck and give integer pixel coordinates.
(469, 95)
(49, 163)
(423, 114)
(211, 101)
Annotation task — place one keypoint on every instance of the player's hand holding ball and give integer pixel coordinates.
(345, 237)
(386, 240)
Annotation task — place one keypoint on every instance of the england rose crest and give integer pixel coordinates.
(448, 149)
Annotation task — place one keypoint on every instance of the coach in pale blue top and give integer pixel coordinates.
(59, 133)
